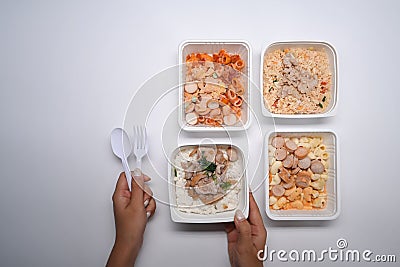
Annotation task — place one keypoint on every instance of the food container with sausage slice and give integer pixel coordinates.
(299, 80)
(207, 183)
(214, 79)
(301, 175)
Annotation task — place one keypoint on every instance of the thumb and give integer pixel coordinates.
(137, 188)
(244, 229)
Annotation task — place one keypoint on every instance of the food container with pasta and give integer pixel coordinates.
(214, 79)
(207, 183)
(299, 79)
(301, 170)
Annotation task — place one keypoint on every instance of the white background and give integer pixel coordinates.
(68, 71)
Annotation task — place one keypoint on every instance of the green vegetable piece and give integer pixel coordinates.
(320, 105)
(203, 162)
(175, 172)
(225, 185)
(211, 167)
(215, 76)
(323, 99)
(207, 165)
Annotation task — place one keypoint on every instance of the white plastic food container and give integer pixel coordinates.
(239, 47)
(225, 216)
(333, 66)
(332, 210)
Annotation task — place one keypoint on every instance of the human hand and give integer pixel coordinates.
(131, 212)
(246, 237)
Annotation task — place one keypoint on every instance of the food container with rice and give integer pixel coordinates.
(207, 183)
(301, 175)
(299, 80)
(214, 85)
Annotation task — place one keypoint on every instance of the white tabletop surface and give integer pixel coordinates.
(68, 72)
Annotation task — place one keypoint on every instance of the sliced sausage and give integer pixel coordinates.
(301, 152)
(191, 118)
(288, 162)
(317, 167)
(278, 142)
(295, 162)
(280, 154)
(288, 185)
(304, 174)
(278, 190)
(295, 171)
(191, 88)
(230, 119)
(303, 179)
(304, 163)
(284, 175)
(290, 145)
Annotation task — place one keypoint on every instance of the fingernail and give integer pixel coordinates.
(239, 215)
(137, 172)
(148, 214)
(146, 202)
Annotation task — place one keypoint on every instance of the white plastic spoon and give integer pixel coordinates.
(121, 146)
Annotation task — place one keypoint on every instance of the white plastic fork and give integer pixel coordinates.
(139, 147)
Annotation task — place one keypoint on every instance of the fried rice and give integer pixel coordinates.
(309, 62)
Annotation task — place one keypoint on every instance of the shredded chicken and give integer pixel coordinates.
(206, 175)
(296, 80)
